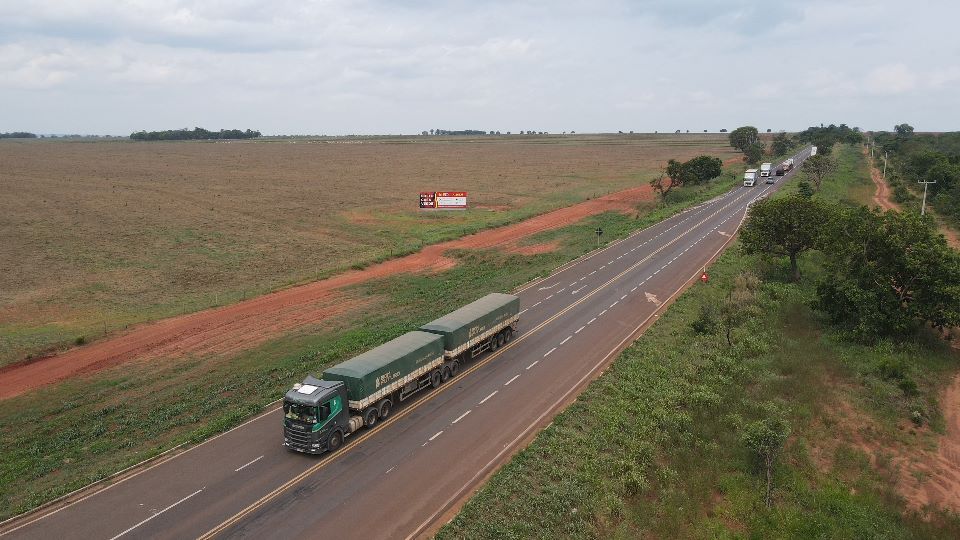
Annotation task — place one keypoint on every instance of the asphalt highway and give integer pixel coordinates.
(404, 477)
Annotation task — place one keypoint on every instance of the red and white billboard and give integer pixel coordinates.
(451, 199)
(443, 199)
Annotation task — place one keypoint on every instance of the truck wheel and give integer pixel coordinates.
(493, 343)
(454, 368)
(385, 407)
(445, 374)
(508, 334)
(336, 439)
(436, 378)
(501, 339)
(370, 417)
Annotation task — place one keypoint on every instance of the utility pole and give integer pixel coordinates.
(884, 166)
(923, 205)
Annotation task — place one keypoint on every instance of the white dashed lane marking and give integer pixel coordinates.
(511, 380)
(482, 401)
(459, 418)
(546, 354)
(566, 339)
(533, 364)
(435, 435)
(580, 329)
(591, 320)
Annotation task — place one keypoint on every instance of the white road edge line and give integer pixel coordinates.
(484, 400)
(459, 418)
(158, 513)
(247, 465)
(511, 380)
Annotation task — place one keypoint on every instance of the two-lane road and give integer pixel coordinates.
(401, 477)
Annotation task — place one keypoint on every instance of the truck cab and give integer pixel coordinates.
(315, 416)
(765, 170)
(750, 178)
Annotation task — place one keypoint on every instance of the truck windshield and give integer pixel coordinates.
(303, 413)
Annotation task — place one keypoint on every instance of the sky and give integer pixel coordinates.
(404, 66)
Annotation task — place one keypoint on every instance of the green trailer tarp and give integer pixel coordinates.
(475, 321)
(382, 370)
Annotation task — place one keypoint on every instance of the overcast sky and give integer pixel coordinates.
(403, 66)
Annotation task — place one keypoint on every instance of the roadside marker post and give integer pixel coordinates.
(599, 232)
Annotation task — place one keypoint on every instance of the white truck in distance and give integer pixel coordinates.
(765, 170)
(750, 178)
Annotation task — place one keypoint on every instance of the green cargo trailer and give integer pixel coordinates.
(315, 418)
(484, 324)
(387, 368)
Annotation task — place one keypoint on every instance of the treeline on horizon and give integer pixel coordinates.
(196, 134)
(18, 135)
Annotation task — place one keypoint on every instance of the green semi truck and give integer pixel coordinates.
(320, 413)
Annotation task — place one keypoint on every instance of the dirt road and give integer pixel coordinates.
(882, 197)
(244, 325)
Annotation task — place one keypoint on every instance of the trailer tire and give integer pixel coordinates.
(336, 439)
(454, 368)
(501, 339)
(436, 378)
(508, 334)
(493, 343)
(370, 417)
(385, 407)
(445, 374)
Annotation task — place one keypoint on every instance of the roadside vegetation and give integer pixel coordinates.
(756, 406)
(76, 432)
(914, 158)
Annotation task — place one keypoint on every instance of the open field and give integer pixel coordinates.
(96, 236)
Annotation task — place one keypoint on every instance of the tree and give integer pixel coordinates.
(744, 137)
(819, 167)
(903, 130)
(723, 130)
(784, 227)
(765, 439)
(702, 169)
(662, 184)
(804, 189)
(754, 153)
(781, 144)
(886, 272)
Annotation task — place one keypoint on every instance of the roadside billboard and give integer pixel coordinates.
(443, 200)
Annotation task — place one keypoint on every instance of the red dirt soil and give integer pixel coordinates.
(246, 324)
(881, 197)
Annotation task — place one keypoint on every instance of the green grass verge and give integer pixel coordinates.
(652, 448)
(82, 430)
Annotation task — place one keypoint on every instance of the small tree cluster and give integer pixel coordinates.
(818, 167)
(698, 170)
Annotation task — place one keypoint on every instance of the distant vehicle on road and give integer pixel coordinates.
(750, 178)
(319, 413)
(813, 150)
(784, 167)
(765, 170)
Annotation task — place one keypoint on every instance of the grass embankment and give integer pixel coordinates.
(653, 447)
(63, 437)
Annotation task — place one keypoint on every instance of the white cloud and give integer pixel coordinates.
(333, 66)
(891, 79)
